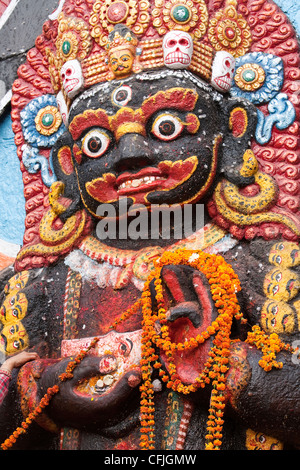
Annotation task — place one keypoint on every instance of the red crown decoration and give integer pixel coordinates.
(88, 40)
(87, 31)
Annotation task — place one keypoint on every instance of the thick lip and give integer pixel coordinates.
(149, 171)
(168, 175)
(149, 178)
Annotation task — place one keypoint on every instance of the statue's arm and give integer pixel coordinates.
(267, 402)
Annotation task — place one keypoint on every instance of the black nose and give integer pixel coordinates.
(133, 154)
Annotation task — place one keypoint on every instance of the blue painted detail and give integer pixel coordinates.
(274, 77)
(28, 115)
(35, 162)
(12, 201)
(291, 9)
(282, 115)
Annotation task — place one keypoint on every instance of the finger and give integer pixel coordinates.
(178, 280)
(190, 310)
(202, 290)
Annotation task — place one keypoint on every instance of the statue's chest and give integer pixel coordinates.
(90, 310)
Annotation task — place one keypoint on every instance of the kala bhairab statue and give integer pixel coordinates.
(159, 276)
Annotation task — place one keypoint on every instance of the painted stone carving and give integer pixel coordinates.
(72, 77)
(122, 52)
(178, 49)
(223, 71)
(152, 338)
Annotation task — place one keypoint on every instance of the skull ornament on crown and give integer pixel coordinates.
(223, 71)
(72, 77)
(62, 106)
(178, 49)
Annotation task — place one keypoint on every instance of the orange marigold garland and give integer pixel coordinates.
(270, 345)
(224, 285)
(127, 314)
(9, 442)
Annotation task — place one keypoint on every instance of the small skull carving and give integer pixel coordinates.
(62, 106)
(222, 71)
(72, 77)
(178, 49)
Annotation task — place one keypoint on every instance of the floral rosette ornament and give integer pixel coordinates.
(42, 125)
(186, 15)
(106, 14)
(258, 77)
(42, 122)
(229, 31)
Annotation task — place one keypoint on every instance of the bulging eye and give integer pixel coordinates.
(95, 143)
(167, 127)
(122, 95)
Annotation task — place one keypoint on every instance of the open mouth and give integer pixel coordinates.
(129, 184)
(168, 175)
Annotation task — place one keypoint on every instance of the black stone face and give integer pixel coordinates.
(169, 157)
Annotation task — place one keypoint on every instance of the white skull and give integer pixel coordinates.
(222, 71)
(72, 77)
(62, 106)
(178, 49)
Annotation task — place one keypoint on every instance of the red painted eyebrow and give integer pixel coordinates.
(182, 99)
(88, 118)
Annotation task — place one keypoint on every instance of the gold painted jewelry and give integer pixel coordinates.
(250, 77)
(229, 31)
(186, 15)
(48, 120)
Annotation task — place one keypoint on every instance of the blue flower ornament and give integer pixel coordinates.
(259, 78)
(42, 125)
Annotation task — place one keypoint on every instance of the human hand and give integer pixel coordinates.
(19, 360)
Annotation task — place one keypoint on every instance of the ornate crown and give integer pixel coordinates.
(91, 40)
